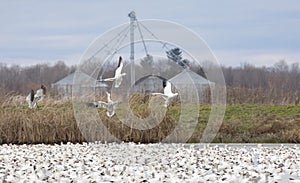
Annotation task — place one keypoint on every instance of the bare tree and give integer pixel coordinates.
(20, 80)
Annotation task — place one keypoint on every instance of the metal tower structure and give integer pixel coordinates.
(132, 17)
(114, 44)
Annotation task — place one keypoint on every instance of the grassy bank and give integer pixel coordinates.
(249, 123)
(243, 123)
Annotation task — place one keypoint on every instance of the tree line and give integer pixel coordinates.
(20, 80)
(277, 81)
(279, 76)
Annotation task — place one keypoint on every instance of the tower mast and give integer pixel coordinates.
(132, 17)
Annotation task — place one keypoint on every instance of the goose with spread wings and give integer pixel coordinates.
(33, 98)
(110, 105)
(118, 74)
(168, 95)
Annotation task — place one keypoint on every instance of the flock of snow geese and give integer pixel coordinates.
(129, 162)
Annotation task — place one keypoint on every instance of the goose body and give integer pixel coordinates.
(118, 74)
(110, 105)
(33, 98)
(30, 99)
(168, 95)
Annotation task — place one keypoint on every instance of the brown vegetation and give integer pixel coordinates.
(48, 124)
(237, 95)
(55, 123)
(263, 106)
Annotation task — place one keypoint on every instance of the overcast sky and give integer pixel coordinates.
(257, 32)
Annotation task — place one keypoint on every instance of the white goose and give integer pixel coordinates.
(110, 105)
(30, 100)
(118, 74)
(33, 98)
(168, 95)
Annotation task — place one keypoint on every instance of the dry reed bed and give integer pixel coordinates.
(55, 123)
(48, 124)
(240, 95)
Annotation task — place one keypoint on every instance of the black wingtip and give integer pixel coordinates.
(31, 95)
(44, 89)
(91, 104)
(120, 60)
(164, 83)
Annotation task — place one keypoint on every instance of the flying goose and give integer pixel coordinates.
(33, 98)
(110, 105)
(168, 95)
(118, 74)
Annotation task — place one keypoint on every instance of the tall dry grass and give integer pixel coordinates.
(239, 95)
(54, 122)
(48, 124)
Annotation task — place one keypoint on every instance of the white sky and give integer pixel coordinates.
(257, 32)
